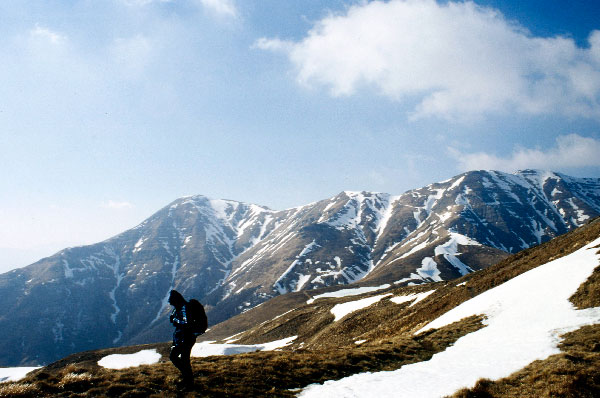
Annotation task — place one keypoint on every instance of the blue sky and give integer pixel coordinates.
(110, 110)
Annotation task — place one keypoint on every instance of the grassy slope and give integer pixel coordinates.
(326, 350)
(246, 375)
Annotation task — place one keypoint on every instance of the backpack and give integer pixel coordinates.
(197, 317)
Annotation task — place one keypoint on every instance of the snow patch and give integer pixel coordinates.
(186, 241)
(417, 297)
(429, 270)
(432, 199)
(385, 217)
(15, 374)
(209, 348)
(348, 292)
(119, 277)
(138, 246)
(445, 216)
(415, 249)
(450, 251)
(279, 282)
(456, 183)
(68, 269)
(581, 216)
(302, 279)
(341, 310)
(350, 215)
(122, 361)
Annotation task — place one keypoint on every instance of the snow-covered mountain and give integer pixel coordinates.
(527, 326)
(534, 313)
(234, 256)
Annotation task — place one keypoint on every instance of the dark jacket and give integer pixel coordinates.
(182, 333)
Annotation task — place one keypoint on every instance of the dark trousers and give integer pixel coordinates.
(180, 356)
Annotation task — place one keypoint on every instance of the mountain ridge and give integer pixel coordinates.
(348, 338)
(234, 255)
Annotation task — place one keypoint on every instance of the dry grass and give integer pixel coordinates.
(588, 294)
(257, 374)
(18, 390)
(71, 380)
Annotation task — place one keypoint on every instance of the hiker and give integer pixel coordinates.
(184, 337)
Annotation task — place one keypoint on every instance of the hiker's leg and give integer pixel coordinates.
(176, 351)
(186, 366)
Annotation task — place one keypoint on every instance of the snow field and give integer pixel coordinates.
(208, 348)
(415, 296)
(348, 292)
(450, 251)
(14, 374)
(524, 316)
(341, 310)
(122, 361)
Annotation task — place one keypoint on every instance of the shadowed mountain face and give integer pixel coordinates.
(234, 256)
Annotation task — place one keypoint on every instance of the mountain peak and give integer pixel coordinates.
(234, 256)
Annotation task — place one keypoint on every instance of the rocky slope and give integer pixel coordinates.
(234, 256)
(341, 338)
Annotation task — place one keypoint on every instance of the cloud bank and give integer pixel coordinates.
(455, 60)
(570, 150)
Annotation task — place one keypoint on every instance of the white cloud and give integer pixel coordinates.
(571, 150)
(116, 205)
(44, 45)
(221, 7)
(272, 44)
(47, 36)
(458, 60)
